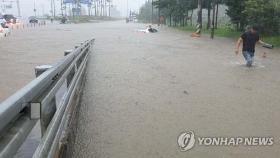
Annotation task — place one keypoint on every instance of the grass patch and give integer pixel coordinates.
(230, 33)
(221, 32)
(274, 40)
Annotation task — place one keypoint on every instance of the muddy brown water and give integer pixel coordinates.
(143, 90)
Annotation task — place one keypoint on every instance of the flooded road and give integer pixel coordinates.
(30, 47)
(143, 90)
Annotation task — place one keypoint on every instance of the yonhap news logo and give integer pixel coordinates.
(187, 140)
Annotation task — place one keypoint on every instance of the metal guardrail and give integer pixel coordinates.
(38, 101)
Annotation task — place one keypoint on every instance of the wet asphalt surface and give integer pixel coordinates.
(143, 90)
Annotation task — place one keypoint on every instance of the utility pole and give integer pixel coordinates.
(34, 9)
(217, 11)
(95, 9)
(18, 8)
(152, 19)
(213, 19)
(159, 13)
(61, 7)
(199, 14)
(51, 7)
(105, 7)
(109, 8)
(89, 10)
(54, 10)
(101, 8)
(127, 8)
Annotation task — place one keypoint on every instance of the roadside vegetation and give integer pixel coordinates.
(226, 18)
(231, 33)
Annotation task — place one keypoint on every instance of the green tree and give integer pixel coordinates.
(177, 11)
(236, 12)
(263, 13)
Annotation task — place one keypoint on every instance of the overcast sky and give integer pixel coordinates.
(44, 6)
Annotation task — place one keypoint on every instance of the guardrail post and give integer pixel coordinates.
(46, 112)
(35, 111)
(72, 73)
(66, 52)
(41, 69)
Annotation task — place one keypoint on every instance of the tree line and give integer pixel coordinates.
(263, 13)
(102, 7)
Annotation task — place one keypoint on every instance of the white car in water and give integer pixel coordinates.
(4, 30)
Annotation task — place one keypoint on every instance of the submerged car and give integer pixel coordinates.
(33, 20)
(10, 19)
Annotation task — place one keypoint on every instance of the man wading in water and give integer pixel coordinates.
(249, 39)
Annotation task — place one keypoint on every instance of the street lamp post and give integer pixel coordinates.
(51, 7)
(54, 9)
(34, 9)
(152, 19)
(61, 7)
(158, 13)
(127, 8)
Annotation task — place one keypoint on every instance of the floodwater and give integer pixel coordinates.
(30, 47)
(143, 90)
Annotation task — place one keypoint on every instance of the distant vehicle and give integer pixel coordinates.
(2, 20)
(33, 20)
(135, 20)
(4, 30)
(63, 20)
(131, 19)
(19, 20)
(10, 19)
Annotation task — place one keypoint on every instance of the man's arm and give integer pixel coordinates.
(262, 42)
(266, 45)
(238, 45)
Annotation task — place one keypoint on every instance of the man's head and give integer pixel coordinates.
(254, 29)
